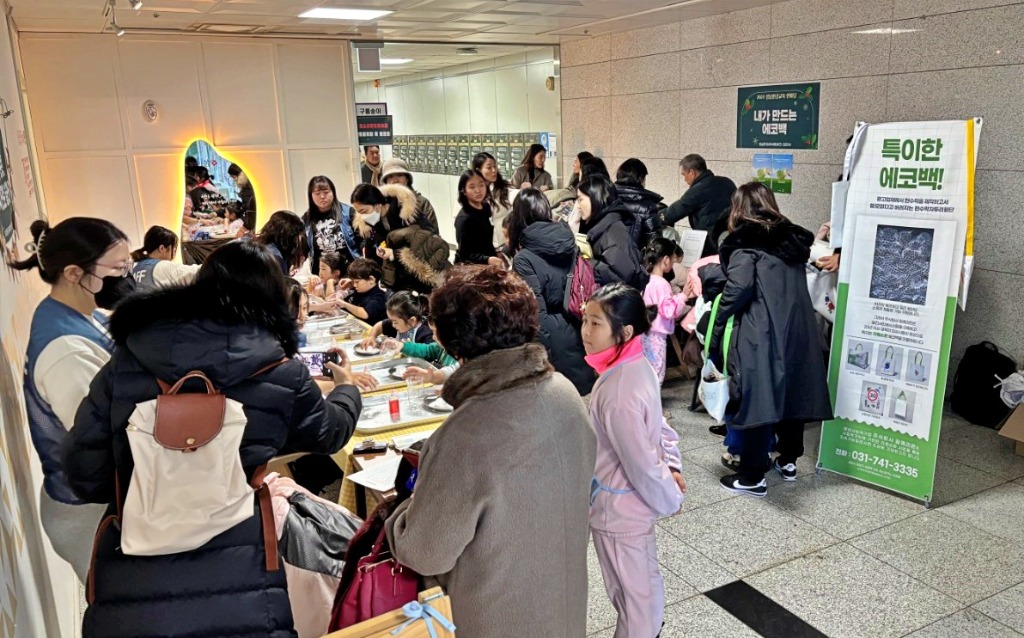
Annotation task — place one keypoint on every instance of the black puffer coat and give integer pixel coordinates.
(222, 588)
(616, 256)
(775, 361)
(544, 261)
(643, 205)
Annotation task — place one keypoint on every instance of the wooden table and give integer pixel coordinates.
(347, 497)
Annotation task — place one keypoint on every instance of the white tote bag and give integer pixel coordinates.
(188, 484)
(821, 286)
(713, 390)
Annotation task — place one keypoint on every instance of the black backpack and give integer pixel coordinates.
(975, 387)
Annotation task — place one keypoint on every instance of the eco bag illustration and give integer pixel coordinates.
(872, 399)
(888, 363)
(917, 370)
(858, 357)
(900, 409)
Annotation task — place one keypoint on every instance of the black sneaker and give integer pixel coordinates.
(738, 485)
(787, 471)
(731, 462)
(717, 430)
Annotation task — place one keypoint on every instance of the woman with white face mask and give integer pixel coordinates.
(82, 259)
(379, 212)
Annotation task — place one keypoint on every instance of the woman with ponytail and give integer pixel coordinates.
(82, 259)
(154, 265)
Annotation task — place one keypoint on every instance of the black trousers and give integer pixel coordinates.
(756, 442)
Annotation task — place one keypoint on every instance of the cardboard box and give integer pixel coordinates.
(1013, 428)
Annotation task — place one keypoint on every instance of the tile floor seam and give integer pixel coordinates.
(960, 611)
(962, 604)
(697, 551)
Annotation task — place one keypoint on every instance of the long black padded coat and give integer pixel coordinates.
(616, 256)
(545, 258)
(221, 588)
(777, 372)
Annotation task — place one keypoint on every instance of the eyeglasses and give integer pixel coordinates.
(124, 268)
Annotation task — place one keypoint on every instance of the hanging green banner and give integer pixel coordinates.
(780, 116)
(907, 219)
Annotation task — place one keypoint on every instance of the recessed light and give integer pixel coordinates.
(358, 15)
(395, 60)
(136, 4)
(885, 31)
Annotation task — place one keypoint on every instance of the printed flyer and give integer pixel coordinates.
(906, 218)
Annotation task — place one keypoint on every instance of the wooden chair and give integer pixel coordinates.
(383, 625)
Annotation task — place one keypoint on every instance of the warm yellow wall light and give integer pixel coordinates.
(260, 204)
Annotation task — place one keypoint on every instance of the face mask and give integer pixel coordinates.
(372, 218)
(114, 290)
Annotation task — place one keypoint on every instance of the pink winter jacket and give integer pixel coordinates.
(692, 289)
(633, 485)
(658, 293)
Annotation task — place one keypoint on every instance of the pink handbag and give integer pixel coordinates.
(380, 585)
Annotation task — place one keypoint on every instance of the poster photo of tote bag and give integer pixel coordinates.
(903, 259)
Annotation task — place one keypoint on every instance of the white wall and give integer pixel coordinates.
(497, 95)
(38, 590)
(282, 109)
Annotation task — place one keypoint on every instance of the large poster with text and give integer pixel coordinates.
(907, 214)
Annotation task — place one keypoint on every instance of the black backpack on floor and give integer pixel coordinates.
(975, 387)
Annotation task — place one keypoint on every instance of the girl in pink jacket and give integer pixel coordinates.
(637, 476)
(659, 256)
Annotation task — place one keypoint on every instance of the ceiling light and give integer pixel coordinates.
(118, 31)
(395, 60)
(885, 31)
(358, 15)
(467, 51)
(136, 4)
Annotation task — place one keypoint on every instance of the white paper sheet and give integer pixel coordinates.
(693, 246)
(380, 475)
(403, 442)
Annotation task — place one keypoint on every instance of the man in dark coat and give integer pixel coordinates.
(706, 202)
(631, 182)
(371, 166)
(545, 260)
(229, 332)
(778, 380)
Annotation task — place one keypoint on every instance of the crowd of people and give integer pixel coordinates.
(548, 332)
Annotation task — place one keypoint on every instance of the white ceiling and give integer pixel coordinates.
(431, 57)
(520, 22)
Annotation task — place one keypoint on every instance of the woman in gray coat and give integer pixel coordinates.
(499, 515)
(777, 373)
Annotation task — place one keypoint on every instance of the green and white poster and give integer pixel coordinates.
(907, 220)
(780, 116)
(774, 171)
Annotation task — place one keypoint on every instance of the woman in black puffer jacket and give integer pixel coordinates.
(231, 323)
(608, 225)
(642, 204)
(544, 258)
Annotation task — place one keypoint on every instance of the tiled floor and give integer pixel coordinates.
(849, 560)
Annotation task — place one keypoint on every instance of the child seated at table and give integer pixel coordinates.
(233, 220)
(368, 302)
(406, 321)
(298, 303)
(329, 286)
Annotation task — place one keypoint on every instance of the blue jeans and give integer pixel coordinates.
(732, 442)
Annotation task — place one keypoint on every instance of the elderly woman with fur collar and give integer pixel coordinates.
(232, 324)
(393, 231)
(478, 515)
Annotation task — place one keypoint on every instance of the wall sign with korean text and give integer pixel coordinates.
(780, 116)
(375, 130)
(371, 108)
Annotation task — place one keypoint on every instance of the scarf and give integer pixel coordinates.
(607, 359)
(375, 170)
